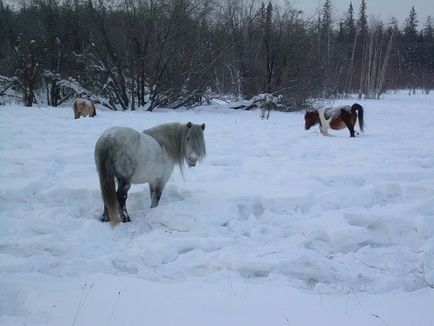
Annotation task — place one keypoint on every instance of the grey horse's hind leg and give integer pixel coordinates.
(105, 217)
(155, 191)
(122, 194)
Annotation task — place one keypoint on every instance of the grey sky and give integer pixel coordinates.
(384, 9)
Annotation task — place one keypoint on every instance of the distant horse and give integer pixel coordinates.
(84, 107)
(133, 157)
(336, 118)
(266, 109)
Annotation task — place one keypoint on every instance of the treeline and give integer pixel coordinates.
(170, 53)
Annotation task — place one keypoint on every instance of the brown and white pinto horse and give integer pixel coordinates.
(84, 107)
(336, 118)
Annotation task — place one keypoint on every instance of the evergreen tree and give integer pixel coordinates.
(411, 51)
(362, 22)
(410, 27)
(428, 31)
(326, 30)
(349, 28)
(326, 21)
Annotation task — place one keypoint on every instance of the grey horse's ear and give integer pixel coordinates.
(189, 124)
(203, 126)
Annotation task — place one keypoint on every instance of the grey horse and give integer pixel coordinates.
(132, 157)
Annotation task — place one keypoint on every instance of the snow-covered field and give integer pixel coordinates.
(278, 226)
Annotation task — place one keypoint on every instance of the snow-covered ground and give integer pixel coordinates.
(278, 226)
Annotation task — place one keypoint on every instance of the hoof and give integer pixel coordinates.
(105, 217)
(124, 215)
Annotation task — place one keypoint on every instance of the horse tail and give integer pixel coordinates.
(357, 107)
(94, 110)
(107, 182)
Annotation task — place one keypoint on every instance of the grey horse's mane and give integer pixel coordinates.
(172, 136)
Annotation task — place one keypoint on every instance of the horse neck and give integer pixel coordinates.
(171, 138)
(324, 122)
(316, 118)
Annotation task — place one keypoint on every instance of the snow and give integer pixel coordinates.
(278, 226)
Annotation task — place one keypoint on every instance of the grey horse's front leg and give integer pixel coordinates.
(122, 194)
(155, 191)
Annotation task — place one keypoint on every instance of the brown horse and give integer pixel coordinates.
(336, 118)
(84, 107)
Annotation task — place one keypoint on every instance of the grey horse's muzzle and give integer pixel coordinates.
(192, 160)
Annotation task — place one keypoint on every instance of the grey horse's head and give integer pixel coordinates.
(194, 143)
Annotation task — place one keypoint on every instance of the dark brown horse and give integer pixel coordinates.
(336, 118)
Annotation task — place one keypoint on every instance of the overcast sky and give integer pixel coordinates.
(384, 9)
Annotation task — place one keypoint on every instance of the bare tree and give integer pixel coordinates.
(24, 59)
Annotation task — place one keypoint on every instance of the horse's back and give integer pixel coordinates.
(118, 137)
(82, 103)
(135, 155)
(337, 114)
(118, 144)
(84, 107)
